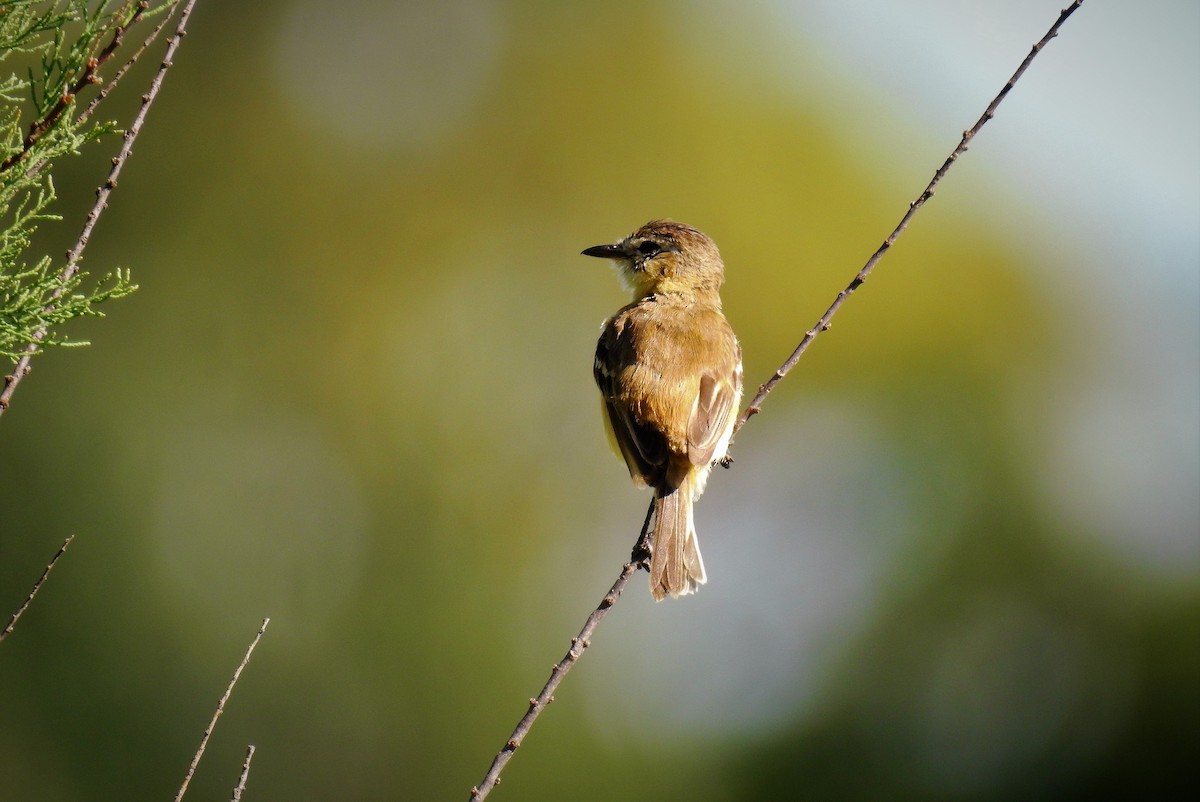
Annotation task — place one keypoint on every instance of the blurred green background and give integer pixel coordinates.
(958, 557)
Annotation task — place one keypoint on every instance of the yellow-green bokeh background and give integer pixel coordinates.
(957, 557)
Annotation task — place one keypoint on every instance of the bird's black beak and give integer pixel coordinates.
(606, 251)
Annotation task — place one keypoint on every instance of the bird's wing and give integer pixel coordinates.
(712, 413)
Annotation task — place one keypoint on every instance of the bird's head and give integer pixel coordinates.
(665, 256)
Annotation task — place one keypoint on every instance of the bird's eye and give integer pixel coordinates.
(648, 248)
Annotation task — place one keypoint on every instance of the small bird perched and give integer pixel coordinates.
(670, 373)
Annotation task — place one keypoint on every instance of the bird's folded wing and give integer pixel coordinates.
(712, 411)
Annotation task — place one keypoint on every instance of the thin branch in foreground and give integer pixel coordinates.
(22, 367)
(221, 709)
(578, 644)
(241, 786)
(36, 587)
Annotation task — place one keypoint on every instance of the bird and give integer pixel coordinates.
(669, 369)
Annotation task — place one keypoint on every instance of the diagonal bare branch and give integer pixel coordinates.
(36, 587)
(578, 644)
(639, 560)
(755, 405)
(212, 725)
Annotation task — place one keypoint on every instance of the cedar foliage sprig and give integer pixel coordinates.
(50, 54)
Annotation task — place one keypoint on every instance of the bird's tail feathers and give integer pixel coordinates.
(676, 568)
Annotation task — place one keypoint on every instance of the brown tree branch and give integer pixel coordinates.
(221, 709)
(36, 587)
(579, 643)
(22, 368)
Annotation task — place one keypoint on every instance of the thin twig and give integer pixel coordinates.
(241, 786)
(220, 709)
(36, 587)
(580, 643)
(22, 367)
(120, 73)
(755, 405)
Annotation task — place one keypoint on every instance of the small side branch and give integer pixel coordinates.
(241, 786)
(36, 587)
(212, 725)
